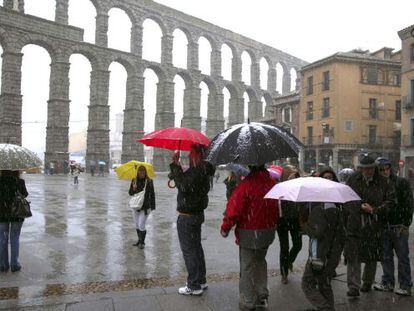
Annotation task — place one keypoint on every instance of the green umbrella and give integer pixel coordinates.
(17, 158)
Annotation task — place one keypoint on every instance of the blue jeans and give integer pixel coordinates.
(9, 230)
(396, 238)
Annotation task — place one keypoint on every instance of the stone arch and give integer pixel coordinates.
(205, 48)
(232, 90)
(186, 77)
(228, 53)
(247, 62)
(3, 38)
(293, 78)
(39, 40)
(151, 48)
(264, 72)
(90, 55)
(180, 48)
(157, 20)
(268, 60)
(267, 103)
(279, 77)
(158, 70)
(124, 25)
(153, 76)
(126, 63)
(118, 4)
(181, 83)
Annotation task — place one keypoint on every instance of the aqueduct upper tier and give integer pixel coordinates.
(61, 40)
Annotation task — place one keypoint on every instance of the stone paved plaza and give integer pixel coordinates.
(77, 254)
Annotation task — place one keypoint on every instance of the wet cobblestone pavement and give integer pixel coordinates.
(77, 254)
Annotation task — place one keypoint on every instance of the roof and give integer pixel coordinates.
(290, 97)
(356, 56)
(406, 32)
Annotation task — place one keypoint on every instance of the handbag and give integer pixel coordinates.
(137, 200)
(20, 207)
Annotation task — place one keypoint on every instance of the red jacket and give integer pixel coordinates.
(247, 208)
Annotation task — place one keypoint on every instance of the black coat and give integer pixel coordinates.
(403, 212)
(9, 186)
(193, 186)
(149, 198)
(367, 228)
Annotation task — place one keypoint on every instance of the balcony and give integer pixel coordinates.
(407, 102)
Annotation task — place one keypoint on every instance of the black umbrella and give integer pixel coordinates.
(252, 144)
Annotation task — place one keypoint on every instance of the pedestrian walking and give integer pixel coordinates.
(322, 222)
(92, 167)
(396, 234)
(142, 182)
(255, 219)
(76, 173)
(193, 186)
(101, 169)
(10, 227)
(51, 168)
(288, 224)
(363, 222)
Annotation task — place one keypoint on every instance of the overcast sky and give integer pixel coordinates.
(307, 29)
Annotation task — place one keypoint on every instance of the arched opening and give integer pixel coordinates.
(1, 62)
(35, 91)
(82, 14)
(151, 41)
(119, 30)
(180, 49)
(204, 55)
(226, 62)
(246, 107)
(150, 107)
(246, 67)
(279, 78)
(263, 110)
(79, 84)
(116, 100)
(179, 87)
(204, 106)
(1, 2)
(226, 107)
(45, 10)
(264, 71)
(293, 77)
(267, 104)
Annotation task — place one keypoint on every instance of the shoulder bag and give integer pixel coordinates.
(137, 200)
(20, 207)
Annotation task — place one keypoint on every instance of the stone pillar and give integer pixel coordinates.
(98, 127)
(317, 157)
(11, 98)
(236, 114)
(164, 118)
(236, 68)
(298, 81)
(192, 56)
(20, 6)
(335, 155)
(271, 80)
(215, 63)
(215, 120)
(191, 109)
(101, 31)
(255, 75)
(136, 40)
(133, 120)
(61, 12)
(255, 108)
(166, 49)
(286, 82)
(57, 130)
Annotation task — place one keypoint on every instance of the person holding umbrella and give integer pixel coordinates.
(193, 186)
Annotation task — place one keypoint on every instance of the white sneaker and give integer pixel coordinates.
(403, 292)
(204, 286)
(188, 291)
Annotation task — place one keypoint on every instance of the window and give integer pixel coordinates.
(412, 53)
(310, 86)
(349, 126)
(372, 134)
(373, 109)
(396, 79)
(325, 133)
(325, 84)
(309, 112)
(287, 117)
(372, 76)
(310, 135)
(325, 107)
(398, 110)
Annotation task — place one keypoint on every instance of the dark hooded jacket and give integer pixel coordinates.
(402, 214)
(193, 186)
(367, 228)
(9, 186)
(325, 224)
(149, 196)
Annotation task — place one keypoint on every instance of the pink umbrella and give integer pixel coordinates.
(312, 189)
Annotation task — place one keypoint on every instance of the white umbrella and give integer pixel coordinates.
(312, 189)
(15, 158)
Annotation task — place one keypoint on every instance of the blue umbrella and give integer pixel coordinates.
(237, 169)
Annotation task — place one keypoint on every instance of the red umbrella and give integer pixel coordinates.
(174, 138)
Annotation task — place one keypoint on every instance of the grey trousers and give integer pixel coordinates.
(253, 275)
(317, 289)
(354, 273)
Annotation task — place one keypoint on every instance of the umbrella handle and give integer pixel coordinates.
(169, 184)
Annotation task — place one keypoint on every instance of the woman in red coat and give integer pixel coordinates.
(255, 219)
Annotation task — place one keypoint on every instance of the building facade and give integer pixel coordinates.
(350, 103)
(407, 98)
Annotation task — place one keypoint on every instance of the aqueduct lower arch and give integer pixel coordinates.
(62, 40)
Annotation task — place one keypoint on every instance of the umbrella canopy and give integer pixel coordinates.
(252, 144)
(275, 171)
(237, 169)
(17, 158)
(312, 189)
(174, 138)
(102, 163)
(346, 171)
(128, 171)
